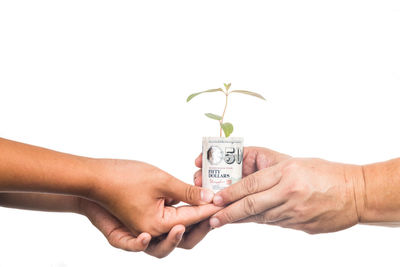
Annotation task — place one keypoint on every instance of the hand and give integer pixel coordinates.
(312, 195)
(136, 193)
(119, 236)
(254, 159)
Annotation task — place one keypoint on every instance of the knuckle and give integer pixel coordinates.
(190, 193)
(296, 186)
(228, 194)
(112, 239)
(251, 184)
(299, 213)
(113, 242)
(226, 217)
(250, 206)
(291, 166)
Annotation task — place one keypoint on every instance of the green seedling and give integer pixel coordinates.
(227, 127)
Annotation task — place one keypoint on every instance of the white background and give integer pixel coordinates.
(110, 79)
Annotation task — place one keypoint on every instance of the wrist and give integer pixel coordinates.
(97, 182)
(83, 178)
(382, 186)
(354, 175)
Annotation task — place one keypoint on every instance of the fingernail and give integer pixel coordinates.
(206, 195)
(145, 241)
(196, 181)
(179, 236)
(218, 200)
(214, 222)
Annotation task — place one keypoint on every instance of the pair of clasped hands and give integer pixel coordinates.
(133, 203)
(273, 191)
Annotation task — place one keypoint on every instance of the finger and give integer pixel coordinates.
(253, 160)
(199, 161)
(137, 244)
(248, 206)
(198, 232)
(257, 158)
(187, 193)
(121, 238)
(260, 157)
(270, 216)
(259, 181)
(188, 215)
(161, 249)
(197, 179)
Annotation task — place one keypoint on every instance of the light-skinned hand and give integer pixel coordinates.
(311, 195)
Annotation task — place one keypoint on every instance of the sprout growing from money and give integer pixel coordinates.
(227, 127)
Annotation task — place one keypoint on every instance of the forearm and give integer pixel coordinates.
(34, 169)
(41, 202)
(381, 201)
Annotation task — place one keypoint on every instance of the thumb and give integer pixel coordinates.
(190, 194)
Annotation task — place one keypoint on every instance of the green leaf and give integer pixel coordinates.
(248, 93)
(227, 86)
(228, 128)
(213, 116)
(206, 91)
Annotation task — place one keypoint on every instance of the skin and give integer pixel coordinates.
(131, 196)
(312, 195)
(115, 232)
(140, 202)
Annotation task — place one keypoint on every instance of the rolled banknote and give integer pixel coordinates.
(222, 162)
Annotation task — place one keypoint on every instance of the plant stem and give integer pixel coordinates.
(223, 114)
